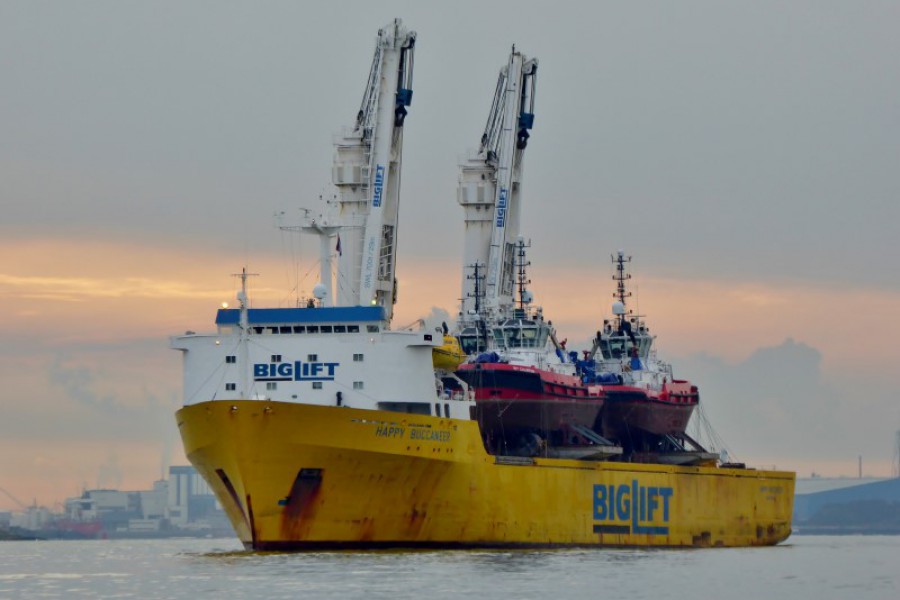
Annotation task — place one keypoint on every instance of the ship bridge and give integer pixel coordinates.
(614, 346)
(521, 333)
(340, 319)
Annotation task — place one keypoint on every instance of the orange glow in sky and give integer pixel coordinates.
(92, 384)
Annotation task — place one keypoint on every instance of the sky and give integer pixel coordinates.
(744, 153)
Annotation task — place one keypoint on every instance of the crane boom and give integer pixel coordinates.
(14, 499)
(366, 173)
(490, 185)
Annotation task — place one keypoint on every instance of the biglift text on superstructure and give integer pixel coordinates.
(295, 371)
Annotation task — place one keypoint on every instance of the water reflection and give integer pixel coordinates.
(863, 567)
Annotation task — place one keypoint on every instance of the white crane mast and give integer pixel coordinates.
(366, 173)
(490, 187)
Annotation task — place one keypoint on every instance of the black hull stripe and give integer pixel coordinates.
(520, 381)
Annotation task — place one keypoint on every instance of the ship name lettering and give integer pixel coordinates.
(389, 431)
(429, 435)
(632, 508)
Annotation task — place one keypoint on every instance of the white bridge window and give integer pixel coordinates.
(276, 358)
(312, 358)
(271, 385)
(230, 387)
(357, 385)
(317, 385)
(231, 359)
(357, 358)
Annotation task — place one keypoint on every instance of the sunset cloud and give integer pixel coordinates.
(71, 289)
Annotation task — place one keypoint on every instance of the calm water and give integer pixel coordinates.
(851, 567)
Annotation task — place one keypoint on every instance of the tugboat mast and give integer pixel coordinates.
(477, 278)
(620, 278)
(521, 277)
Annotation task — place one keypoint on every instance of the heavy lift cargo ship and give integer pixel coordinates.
(319, 427)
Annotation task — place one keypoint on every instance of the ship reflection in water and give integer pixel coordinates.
(807, 566)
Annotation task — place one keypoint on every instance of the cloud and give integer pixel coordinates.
(110, 475)
(110, 395)
(95, 415)
(778, 406)
(79, 289)
(437, 317)
(81, 384)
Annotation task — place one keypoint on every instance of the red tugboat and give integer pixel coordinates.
(530, 398)
(646, 409)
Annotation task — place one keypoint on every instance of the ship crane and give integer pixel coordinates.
(490, 187)
(366, 173)
(16, 500)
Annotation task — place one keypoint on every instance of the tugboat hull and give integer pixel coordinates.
(626, 411)
(511, 401)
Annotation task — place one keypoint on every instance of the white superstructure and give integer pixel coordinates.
(338, 356)
(338, 350)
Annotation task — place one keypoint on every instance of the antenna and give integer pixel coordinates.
(478, 277)
(477, 294)
(245, 329)
(620, 278)
(242, 295)
(521, 278)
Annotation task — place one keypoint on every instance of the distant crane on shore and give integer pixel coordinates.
(14, 499)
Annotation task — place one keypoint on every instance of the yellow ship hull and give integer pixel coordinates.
(294, 476)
